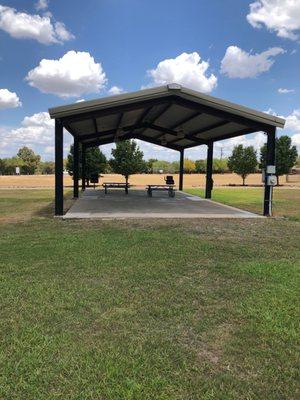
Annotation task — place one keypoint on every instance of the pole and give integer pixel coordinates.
(83, 161)
(75, 168)
(209, 165)
(181, 169)
(59, 166)
(270, 160)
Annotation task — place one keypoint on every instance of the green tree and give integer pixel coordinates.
(200, 166)
(150, 163)
(8, 165)
(188, 166)
(220, 165)
(286, 156)
(47, 167)
(127, 159)
(175, 166)
(162, 165)
(243, 161)
(30, 160)
(95, 162)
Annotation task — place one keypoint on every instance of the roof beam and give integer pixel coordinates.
(128, 137)
(192, 135)
(258, 126)
(144, 114)
(95, 125)
(185, 120)
(157, 116)
(137, 105)
(240, 132)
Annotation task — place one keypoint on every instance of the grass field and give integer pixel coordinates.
(286, 202)
(147, 309)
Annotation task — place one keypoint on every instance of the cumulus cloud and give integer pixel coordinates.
(115, 90)
(41, 5)
(185, 69)
(9, 99)
(72, 75)
(21, 25)
(284, 91)
(237, 63)
(280, 16)
(36, 131)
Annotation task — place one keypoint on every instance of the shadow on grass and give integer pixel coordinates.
(48, 210)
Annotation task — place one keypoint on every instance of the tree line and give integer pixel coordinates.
(27, 162)
(128, 159)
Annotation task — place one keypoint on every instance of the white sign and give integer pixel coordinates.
(18, 170)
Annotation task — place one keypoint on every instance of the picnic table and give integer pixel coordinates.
(116, 185)
(169, 188)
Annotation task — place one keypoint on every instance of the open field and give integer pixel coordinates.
(148, 309)
(190, 180)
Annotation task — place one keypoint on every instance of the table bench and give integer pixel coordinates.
(116, 185)
(169, 188)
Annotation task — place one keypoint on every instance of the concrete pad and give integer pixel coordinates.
(116, 204)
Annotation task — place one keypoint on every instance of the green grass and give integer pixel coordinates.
(285, 201)
(201, 309)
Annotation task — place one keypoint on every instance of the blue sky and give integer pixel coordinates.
(233, 49)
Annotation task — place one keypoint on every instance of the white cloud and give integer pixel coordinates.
(115, 90)
(280, 16)
(237, 63)
(187, 70)
(21, 25)
(9, 99)
(62, 33)
(41, 5)
(284, 91)
(72, 75)
(36, 131)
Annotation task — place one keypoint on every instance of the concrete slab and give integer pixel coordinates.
(116, 204)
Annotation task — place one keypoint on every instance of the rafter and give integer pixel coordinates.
(157, 116)
(193, 135)
(185, 120)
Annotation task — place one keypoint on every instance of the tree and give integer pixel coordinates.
(243, 161)
(127, 159)
(150, 163)
(95, 162)
(188, 166)
(286, 156)
(47, 167)
(220, 165)
(8, 165)
(164, 166)
(200, 166)
(30, 160)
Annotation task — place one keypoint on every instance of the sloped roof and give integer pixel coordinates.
(171, 116)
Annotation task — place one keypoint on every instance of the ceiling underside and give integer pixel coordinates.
(168, 120)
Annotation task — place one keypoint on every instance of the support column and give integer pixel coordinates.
(209, 166)
(75, 168)
(181, 167)
(270, 160)
(83, 150)
(59, 167)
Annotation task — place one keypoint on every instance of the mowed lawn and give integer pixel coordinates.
(286, 202)
(202, 309)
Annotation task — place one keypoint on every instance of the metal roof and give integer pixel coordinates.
(171, 116)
